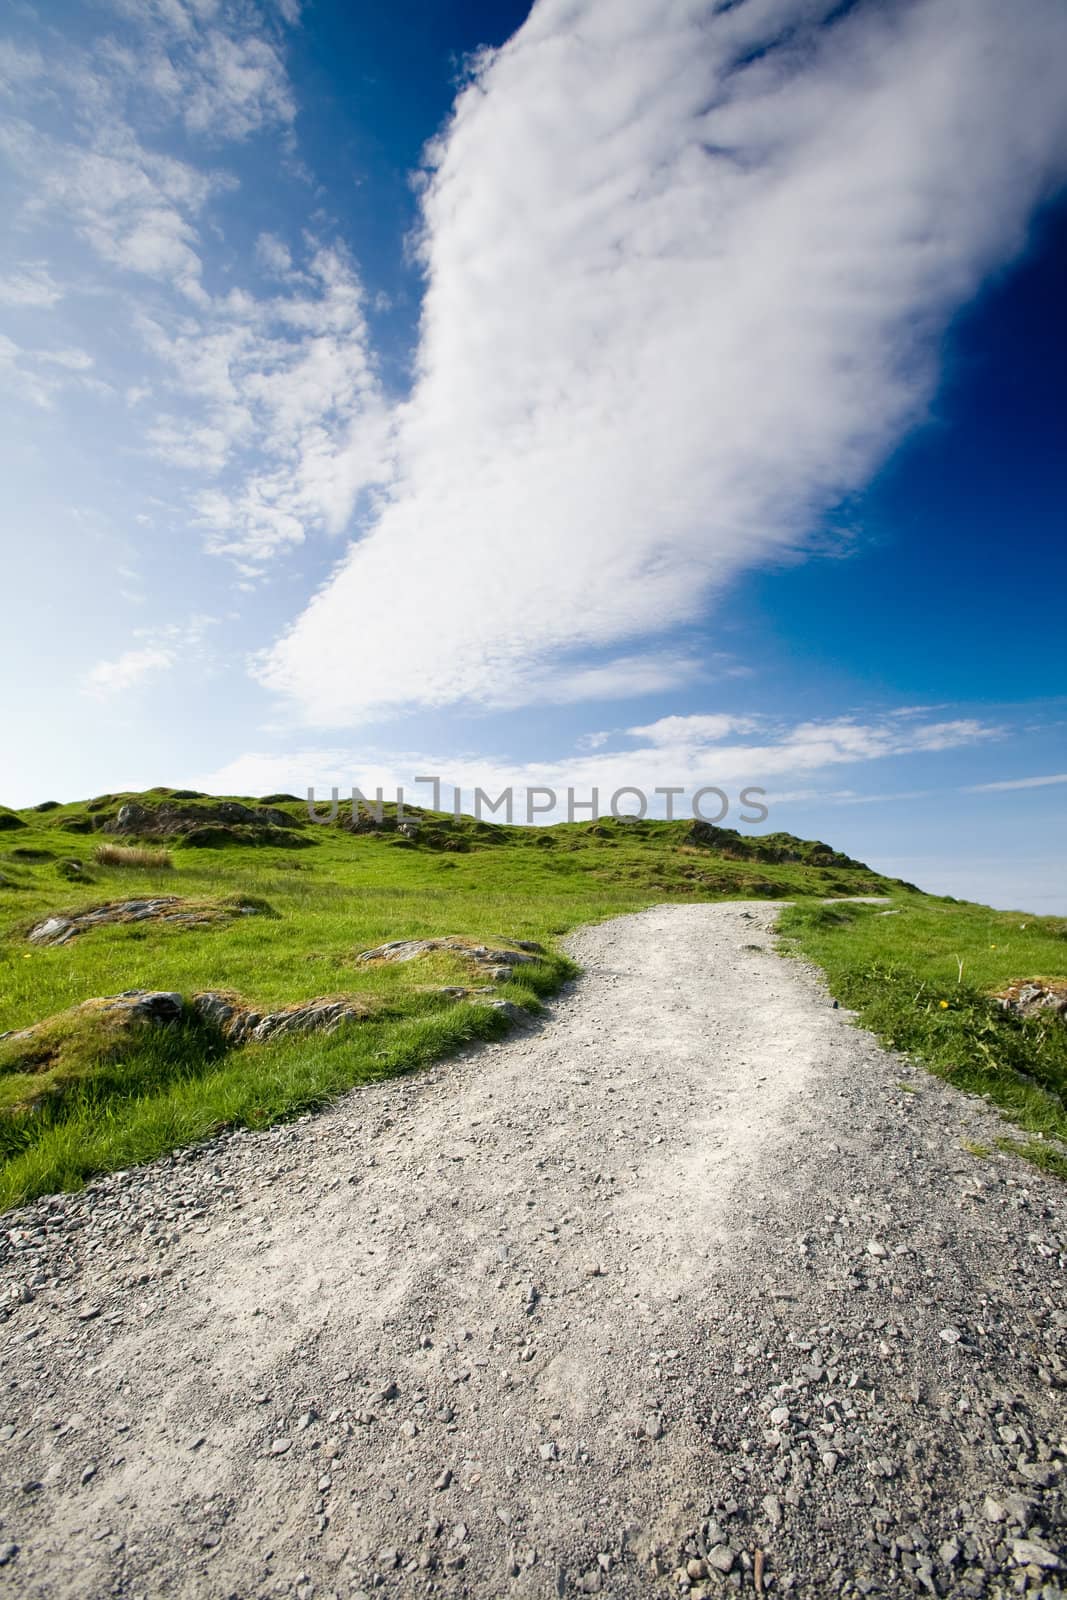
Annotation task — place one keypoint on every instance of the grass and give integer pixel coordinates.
(122, 855)
(80, 1098)
(925, 980)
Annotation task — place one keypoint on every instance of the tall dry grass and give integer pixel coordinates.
(123, 855)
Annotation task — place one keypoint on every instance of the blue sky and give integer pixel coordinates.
(605, 392)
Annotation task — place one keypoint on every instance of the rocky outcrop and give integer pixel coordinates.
(240, 1024)
(223, 822)
(131, 1008)
(495, 963)
(172, 908)
(235, 1019)
(1029, 998)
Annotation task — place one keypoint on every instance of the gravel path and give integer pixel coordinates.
(691, 1288)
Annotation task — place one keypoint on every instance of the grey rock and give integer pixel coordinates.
(1025, 1553)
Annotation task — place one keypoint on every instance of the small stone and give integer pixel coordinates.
(1028, 1554)
(772, 1507)
(390, 1392)
(388, 1558)
(88, 1473)
(695, 1570)
(8, 1552)
(950, 1335)
(992, 1510)
(280, 1446)
(443, 1479)
(779, 1416)
(721, 1558)
(324, 1484)
(876, 1249)
(829, 1459)
(590, 1582)
(652, 1427)
(1041, 1474)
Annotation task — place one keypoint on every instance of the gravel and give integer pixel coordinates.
(594, 1310)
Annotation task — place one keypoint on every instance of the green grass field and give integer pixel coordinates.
(84, 1100)
(81, 1097)
(924, 980)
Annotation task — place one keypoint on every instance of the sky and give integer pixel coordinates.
(592, 394)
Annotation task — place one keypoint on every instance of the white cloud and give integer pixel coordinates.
(127, 671)
(218, 67)
(30, 286)
(22, 369)
(1016, 783)
(691, 757)
(72, 360)
(687, 269)
(273, 255)
(698, 730)
(159, 649)
(136, 208)
(287, 398)
(238, 85)
(37, 388)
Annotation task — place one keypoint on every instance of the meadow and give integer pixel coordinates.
(281, 913)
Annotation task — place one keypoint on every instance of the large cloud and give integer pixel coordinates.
(686, 269)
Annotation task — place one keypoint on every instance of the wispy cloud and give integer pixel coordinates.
(283, 391)
(1016, 783)
(686, 268)
(128, 670)
(268, 406)
(32, 373)
(158, 650)
(687, 751)
(30, 285)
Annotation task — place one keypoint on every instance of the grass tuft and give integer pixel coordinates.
(125, 855)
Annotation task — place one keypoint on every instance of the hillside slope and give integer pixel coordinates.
(246, 926)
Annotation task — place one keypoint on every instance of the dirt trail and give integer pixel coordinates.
(679, 1291)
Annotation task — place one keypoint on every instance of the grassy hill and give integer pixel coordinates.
(252, 902)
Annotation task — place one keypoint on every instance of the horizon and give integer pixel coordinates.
(584, 395)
